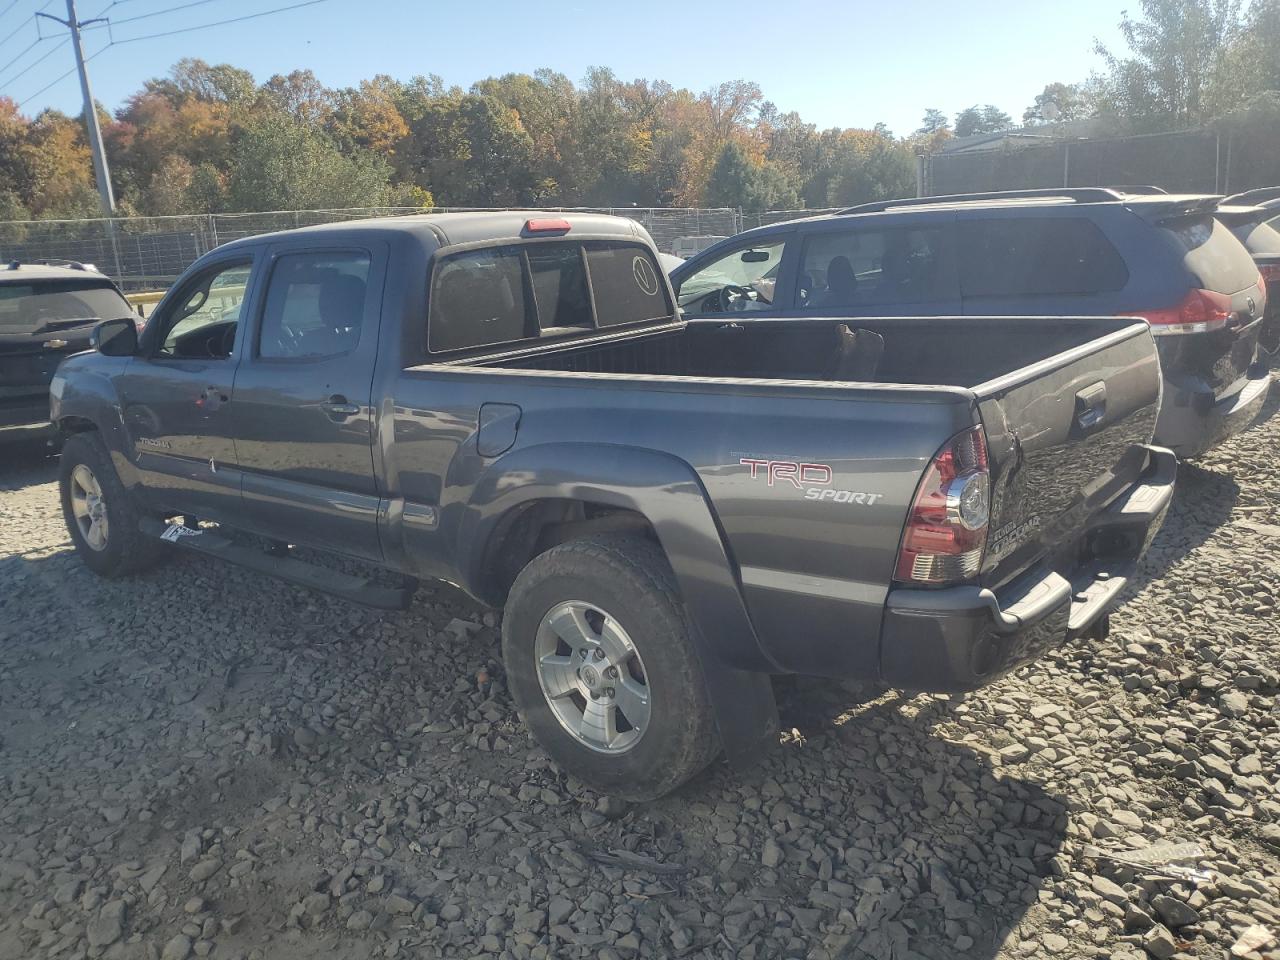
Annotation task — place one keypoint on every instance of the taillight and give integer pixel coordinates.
(1199, 312)
(946, 530)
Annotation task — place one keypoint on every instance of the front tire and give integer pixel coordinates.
(600, 661)
(101, 516)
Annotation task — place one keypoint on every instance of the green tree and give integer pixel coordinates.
(471, 150)
(975, 120)
(280, 163)
(737, 181)
(933, 121)
(1176, 50)
(1251, 63)
(301, 94)
(869, 166)
(1059, 102)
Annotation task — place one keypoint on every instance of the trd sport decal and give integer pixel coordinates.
(813, 478)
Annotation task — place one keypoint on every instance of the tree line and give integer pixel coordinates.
(209, 138)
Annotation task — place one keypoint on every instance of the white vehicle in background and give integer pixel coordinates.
(669, 261)
(686, 247)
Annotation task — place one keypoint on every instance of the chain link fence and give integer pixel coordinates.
(1188, 161)
(148, 253)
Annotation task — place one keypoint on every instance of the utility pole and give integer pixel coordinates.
(100, 171)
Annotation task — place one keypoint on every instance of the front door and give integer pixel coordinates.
(176, 393)
(301, 412)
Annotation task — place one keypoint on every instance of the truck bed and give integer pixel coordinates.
(1067, 406)
(947, 351)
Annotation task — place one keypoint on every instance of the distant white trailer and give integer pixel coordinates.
(686, 247)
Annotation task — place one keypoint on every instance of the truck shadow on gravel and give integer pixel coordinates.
(1203, 501)
(932, 850)
(26, 464)
(298, 725)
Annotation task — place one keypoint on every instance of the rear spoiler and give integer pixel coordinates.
(1160, 208)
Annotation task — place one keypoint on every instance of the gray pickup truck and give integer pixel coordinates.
(669, 512)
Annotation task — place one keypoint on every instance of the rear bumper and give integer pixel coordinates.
(1191, 423)
(961, 638)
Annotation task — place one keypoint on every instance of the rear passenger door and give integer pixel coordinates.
(1037, 263)
(878, 267)
(302, 406)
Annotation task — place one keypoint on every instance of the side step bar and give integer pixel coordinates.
(355, 589)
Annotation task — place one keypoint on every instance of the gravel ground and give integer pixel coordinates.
(198, 762)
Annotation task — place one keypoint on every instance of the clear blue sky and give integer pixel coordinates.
(839, 64)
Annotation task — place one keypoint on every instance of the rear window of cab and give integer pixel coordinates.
(551, 288)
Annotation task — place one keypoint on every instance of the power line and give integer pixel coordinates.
(154, 13)
(58, 80)
(25, 49)
(13, 33)
(218, 23)
(36, 62)
(152, 36)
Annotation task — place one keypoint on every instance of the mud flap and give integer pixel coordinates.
(745, 709)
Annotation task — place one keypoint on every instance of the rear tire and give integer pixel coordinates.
(600, 661)
(101, 516)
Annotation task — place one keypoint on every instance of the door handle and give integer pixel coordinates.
(339, 408)
(1091, 405)
(211, 399)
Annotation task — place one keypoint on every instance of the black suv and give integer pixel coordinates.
(1068, 252)
(46, 313)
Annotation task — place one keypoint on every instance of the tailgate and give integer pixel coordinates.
(1064, 438)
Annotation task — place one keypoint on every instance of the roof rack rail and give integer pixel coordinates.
(1249, 197)
(1078, 194)
(62, 262)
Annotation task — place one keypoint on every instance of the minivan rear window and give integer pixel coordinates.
(1037, 256)
(1212, 254)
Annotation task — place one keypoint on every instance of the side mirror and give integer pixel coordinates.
(755, 256)
(115, 338)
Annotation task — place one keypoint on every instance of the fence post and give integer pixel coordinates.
(920, 174)
(1226, 179)
(115, 247)
(213, 230)
(1066, 165)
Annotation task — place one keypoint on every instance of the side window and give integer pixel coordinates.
(866, 267)
(208, 311)
(478, 299)
(739, 281)
(627, 284)
(314, 305)
(1037, 256)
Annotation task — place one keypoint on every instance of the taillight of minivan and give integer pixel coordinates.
(1199, 312)
(946, 530)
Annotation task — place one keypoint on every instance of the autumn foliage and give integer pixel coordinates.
(208, 138)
